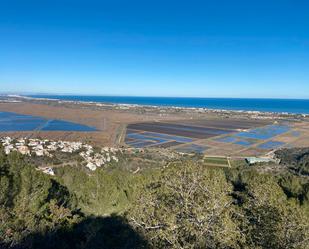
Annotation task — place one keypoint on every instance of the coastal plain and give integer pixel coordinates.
(186, 130)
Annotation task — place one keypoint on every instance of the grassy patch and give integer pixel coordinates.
(220, 161)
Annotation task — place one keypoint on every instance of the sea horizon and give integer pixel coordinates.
(277, 105)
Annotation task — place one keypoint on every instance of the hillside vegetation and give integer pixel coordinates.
(184, 205)
(296, 159)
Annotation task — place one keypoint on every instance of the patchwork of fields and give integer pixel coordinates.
(256, 136)
(213, 137)
(227, 137)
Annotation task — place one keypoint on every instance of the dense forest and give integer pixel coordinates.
(184, 205)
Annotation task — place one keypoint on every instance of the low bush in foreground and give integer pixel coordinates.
(182, 206)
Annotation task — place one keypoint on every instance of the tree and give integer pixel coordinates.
(189, 207)
(271, 220)
(30, 201)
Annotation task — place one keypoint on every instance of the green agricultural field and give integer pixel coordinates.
(216, 161)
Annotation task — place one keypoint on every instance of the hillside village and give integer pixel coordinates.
(37, 147)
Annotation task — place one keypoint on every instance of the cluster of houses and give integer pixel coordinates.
(95, 160)
(44, 147)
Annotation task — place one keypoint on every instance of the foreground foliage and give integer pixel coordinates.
(297, 159)
(188, 207)
(182, 206)
(194, 207)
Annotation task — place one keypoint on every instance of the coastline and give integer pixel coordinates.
(114, 121)
(166, 107)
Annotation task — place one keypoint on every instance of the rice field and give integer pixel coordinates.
(181, 136)
(270, 145)
(266, 132)
(254, 137)
(214, 136)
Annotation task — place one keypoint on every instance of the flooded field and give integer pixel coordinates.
(10, 121)
(270, 145)
(258, 135)
(217, 137)
(183, 134)
(265, 132)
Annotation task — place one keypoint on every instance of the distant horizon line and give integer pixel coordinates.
(145, 96)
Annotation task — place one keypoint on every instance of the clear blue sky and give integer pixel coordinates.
(217, 48)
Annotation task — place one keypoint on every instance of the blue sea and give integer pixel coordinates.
(297, 106)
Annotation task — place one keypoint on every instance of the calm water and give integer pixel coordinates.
(10, 121)
(266, 105)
